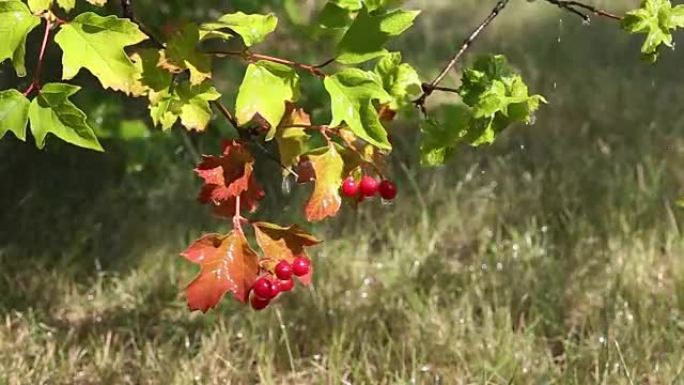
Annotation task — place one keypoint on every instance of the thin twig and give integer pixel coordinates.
(249, 56)
(225, 112)
(571, 6)
(128, 12)
(326, 63)
(35, 82)
(429, 88)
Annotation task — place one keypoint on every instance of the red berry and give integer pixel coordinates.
(283, 270)
(258, 303)
(262, 288)
(285, 285)
(368, 186)
(301, 266)
(350, 188)
(275, 288)
(388, 190)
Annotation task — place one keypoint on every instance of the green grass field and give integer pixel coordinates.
(553, 257)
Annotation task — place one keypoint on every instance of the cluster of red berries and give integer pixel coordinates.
(268, 286)
(368, 187)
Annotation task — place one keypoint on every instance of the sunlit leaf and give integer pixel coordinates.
(97, 44)
(16, 21)
(51, 112)
(367, 36)
(352, 93)
(14, 109)
(325, 200)
(264, 91)
(252, 28)
(227, 264)
(283, 243)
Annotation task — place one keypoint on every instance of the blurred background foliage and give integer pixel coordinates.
(530, 259)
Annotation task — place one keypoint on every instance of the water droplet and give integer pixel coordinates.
(555, 85)
(586, 22)
(602, 339)
(499, 266)
(484, 267)
(286, 185)
(532, 120)
(522, 147)
(560, 30)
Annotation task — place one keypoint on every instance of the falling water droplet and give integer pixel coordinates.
(560, 30)
(586, 22)
(555, 85)
(532, 120)
(286, 185)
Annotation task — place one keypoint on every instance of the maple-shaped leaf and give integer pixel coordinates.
(227, 264)
(325, 200)
(14, 110)
(282, 85)
(228, 176)
(16, 21)
(252, 28)
(292, 137)
(400, 80)
(367, 36)
(97, 44)
(657, 19)
(189, 103)
(152, 76)
(283, 243)
(51, 112)
(181, 54)
(352, 93)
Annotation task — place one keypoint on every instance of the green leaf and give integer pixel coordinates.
(39, 6)
(181, 54)
(152, 76)
(16, 21)
(189, 103)
(291, 138)
(350, 5)
(265, 89)
(498, 97)
(97, 44)
(400, 80)
(51, 112)
(656, 19)
(367, 36)
(14, 107)
(66, 5)
(442, 134)
(352, 93)
(252, 28)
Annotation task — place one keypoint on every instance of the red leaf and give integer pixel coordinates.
(283, 243)
(325, 200)
(228, 176)
(228, 264)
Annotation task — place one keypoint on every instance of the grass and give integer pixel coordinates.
(552, 257)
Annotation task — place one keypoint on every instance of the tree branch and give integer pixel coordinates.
(429, 88)
(575, 6)
(251, 57)
(128, 12)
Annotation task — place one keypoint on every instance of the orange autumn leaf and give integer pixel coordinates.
(227, 264)
(325, 200)
(283, 243)
(228, 176)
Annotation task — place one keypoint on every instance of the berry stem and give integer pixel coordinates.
(237, 218)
